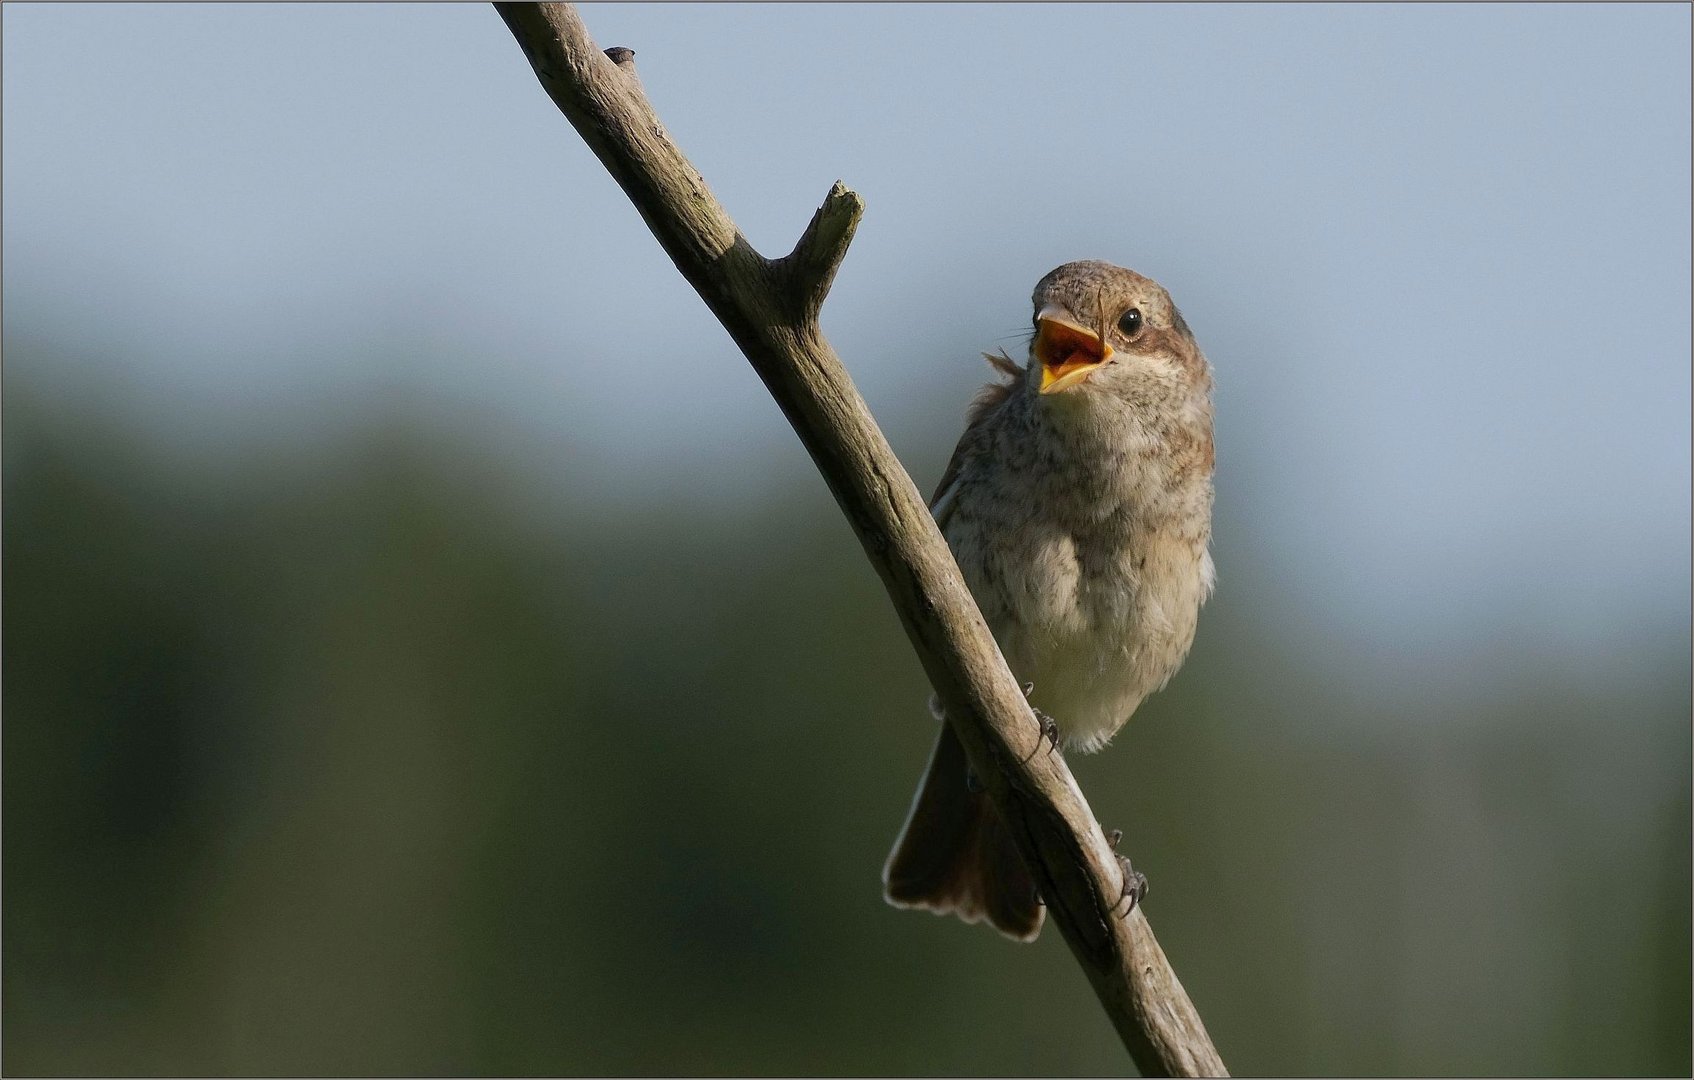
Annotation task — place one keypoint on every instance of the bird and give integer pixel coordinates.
(1078, 506)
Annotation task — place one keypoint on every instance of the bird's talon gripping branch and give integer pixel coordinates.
(1113, 838)
(1134, 886)
(1049, 726)
(1049, 729)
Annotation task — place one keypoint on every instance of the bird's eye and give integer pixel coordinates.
(1129, 323)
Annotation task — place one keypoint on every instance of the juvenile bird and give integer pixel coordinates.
(1078, 504)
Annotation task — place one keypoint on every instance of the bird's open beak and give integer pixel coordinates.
(1068, 353)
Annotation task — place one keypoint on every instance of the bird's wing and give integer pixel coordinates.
(941, 503)
(987, 403)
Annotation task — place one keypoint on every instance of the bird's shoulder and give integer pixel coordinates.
(980, 416)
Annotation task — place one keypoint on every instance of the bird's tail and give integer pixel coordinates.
(955, 856)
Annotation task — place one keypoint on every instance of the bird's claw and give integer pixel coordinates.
(1049, 726)
(1049, 729)
(1134, 886)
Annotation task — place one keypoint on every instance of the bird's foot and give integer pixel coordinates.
(1134, 886)
(1049, 726)
(1134, 881)
(1049, 730)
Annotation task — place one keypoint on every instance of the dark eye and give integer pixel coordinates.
(1129, 323)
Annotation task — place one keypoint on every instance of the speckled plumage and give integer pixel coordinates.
(1080, 519)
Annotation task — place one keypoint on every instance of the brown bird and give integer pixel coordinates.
(1078, 505)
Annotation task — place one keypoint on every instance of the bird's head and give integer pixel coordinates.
(1101, 328)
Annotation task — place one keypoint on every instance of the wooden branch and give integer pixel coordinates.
(770, 308)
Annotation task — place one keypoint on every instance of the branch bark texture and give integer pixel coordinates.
(770, 308)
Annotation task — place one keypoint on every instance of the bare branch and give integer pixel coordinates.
(770, 308)
(810, 267)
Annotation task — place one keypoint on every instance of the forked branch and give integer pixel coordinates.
(770, 307)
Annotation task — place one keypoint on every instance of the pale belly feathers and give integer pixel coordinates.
(1096, 620)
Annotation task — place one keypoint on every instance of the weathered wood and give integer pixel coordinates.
(770, 308)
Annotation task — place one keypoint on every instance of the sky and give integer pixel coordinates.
(1438, 256)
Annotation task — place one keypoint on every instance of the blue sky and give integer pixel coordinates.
(1438, 255)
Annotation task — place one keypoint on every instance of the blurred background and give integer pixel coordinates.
(427, 649)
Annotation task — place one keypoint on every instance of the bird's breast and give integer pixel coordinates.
(1096, 609)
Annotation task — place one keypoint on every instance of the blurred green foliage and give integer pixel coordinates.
(357, 757)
